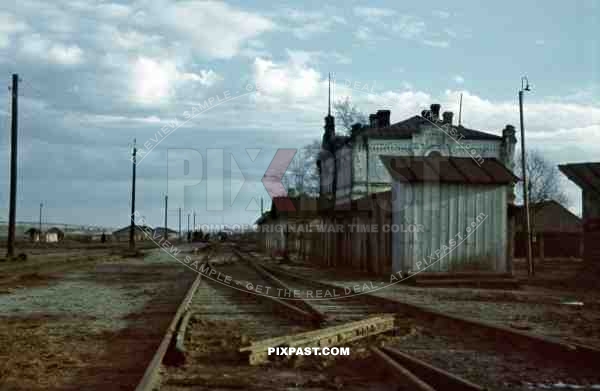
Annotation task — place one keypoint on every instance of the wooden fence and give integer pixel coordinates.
(350, 237)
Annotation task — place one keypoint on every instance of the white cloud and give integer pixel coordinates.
(341, 58)
(307, 24)
(540, 42)
(301, 57)
(213, 29)
(292, 81)
(436, 43)
(364, 33)
(373, 14)
(441, 14)
(36, 47)
(458, 79)
(408, 27)
(154, 81)
(66, 55)
(206, 78)
(9, 25)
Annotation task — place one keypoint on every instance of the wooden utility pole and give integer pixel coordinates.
(166, 236)
(530, 260)
(12, 211)
(194, 226)
(188, 229)
(41, 206)
(179, 223)
(132, 224)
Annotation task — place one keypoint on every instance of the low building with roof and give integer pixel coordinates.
(587, 177)
(426, 178)
(556, 232)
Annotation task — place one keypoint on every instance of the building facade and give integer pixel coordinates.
(355, 161)
(468, 180)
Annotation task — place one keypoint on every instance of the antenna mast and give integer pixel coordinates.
(460, 111)
(329, 97)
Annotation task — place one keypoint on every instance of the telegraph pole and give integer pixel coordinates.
(132, 225)
(12, 211)
(179, 223)
(530, 262)
(166, 207)
(188, 230)
(41, 205)
(194, 226)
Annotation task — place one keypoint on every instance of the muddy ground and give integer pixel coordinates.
(93, 325)
(549, 304)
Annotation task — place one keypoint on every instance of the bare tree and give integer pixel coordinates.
(302, 177)
(543, 179)
(348, 114)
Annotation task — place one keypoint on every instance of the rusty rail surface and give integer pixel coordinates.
(436, 377)
(419, 375)
(315, 315)
(150, 376)
(505, 338)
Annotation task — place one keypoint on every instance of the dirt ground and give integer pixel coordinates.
(550, 304)
(92, 326)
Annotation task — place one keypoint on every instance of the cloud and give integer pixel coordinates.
(373, 14)
(36, 47)
(306, 24)
(441, 14)
(214, 29)
(9, 25)
(436, 43)
(303, 57)
(458, 79)
(154, 80)
(291, 82)
(206, 78)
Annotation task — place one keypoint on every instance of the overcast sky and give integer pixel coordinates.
(96, 75)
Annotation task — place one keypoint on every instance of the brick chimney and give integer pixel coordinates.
(435, 111)
(507, 155)
(447, 117)
(383, 118)
(373, 119)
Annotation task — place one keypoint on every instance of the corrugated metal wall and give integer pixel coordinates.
(449, 227)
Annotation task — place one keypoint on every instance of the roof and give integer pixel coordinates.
(406, 128)
(548, 216)
(55, 229)
(138, 228)
(300, 206)
(585, 175)
(448, 170)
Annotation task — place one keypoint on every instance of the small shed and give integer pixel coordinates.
(587, 177)
(140, 233)
(33, 234)
(556, 232)
(54, 235)
(288, 225)
(449, 214)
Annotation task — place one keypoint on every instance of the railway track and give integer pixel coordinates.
(498, 357)
(222, 318)
(439, 349)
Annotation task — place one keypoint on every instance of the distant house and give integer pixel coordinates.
(143, 232)
(289, 229)
(33, 234)
(158, 234)
(556, 232)
(54, 235)
(587, 177)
